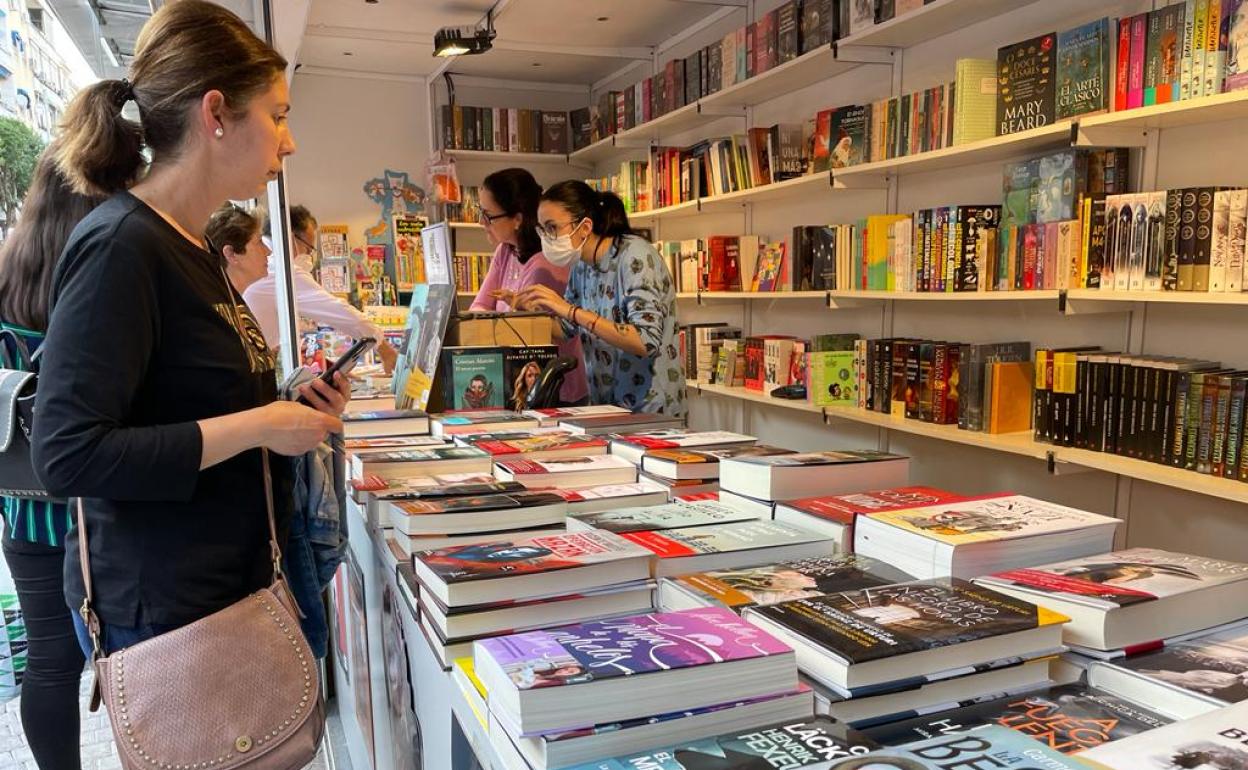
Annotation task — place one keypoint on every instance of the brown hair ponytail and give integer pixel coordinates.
(185, 50)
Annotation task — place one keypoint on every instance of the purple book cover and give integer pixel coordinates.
(639, 644)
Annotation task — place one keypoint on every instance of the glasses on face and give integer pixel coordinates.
(487, 218)
(551, 229)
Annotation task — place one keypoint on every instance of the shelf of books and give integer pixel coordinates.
(686, 209)
(466, 225)
(995, 148)
(805, 184)
(930, 21)
(760, 296)
(517, 158)
(1021, 443)
(845, 299)
(1101, 129)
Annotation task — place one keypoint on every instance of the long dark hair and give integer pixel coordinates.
(49, 214)
(604, 209)
(185, 50)
(517, 193)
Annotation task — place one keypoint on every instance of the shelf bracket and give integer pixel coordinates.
(864, 54)
(1072, 306)
(1058, 467)
(1107, 136)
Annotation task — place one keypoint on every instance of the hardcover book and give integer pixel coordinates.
(844, 508)
(526, 556)
(793, 746)
(624, 647)
(738, 589)
(1211, 667)
(849, 142)
(674, 515)
(548, 445)
(1001, 517)
(888, 621)
(1083, 70)
(1069, 719)
(722, 538)
(1026, 85)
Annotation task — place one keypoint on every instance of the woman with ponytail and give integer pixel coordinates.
(157, 390)
(620, 300)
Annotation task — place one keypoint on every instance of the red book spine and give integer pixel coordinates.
(1030, 246)
(1122, 70)
(1135, 88)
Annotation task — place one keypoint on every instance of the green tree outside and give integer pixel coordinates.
(19, 150)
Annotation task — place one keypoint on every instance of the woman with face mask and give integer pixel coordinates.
(509, 215)
(620, 300)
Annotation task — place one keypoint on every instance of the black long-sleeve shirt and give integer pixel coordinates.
(140, 347)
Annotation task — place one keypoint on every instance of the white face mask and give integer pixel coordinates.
(559, 251)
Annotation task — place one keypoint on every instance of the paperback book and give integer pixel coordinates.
(834, 515)
(986, 747)
(1214, 740)
(677, 514)
(738, 544)
(700, 463)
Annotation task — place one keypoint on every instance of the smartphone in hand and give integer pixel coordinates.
(346, 362)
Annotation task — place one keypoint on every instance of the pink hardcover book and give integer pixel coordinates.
(1135, 83)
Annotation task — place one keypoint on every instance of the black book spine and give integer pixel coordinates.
(1157, 414)
(1170, 247)
(1079, 435)
(1235, 427)
(1208, 408)
(1112, 385)
(883, 399)
(1221, 413)
(1178, 420)
(1098, 376)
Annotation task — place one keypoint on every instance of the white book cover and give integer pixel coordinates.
(677, 514)
(676, 438)
(530, 468)
(722, 538)
(1002, 517)
(1219, 252)
(1237, 236)
(1122, 578)
(1215, 741)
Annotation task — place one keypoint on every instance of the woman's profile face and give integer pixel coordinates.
(499, 227)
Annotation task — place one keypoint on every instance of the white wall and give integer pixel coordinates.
(349, 130)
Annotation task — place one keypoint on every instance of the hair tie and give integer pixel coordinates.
(125, 92)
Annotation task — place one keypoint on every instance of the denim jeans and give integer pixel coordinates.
(114, 637)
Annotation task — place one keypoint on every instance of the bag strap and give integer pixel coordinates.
(15, 357)
(92, 621)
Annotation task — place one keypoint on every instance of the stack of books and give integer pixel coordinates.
(724, 546)
(537, 444)
(378, 423)
(606, 497)
(756, 483)
(633, 446)
(982, 536)
(677, 514)
(476, 590)
(567, 472)
(483, 421)
(1214, 740)
(549, 418)
(630, 422)
(687, 470)
(595, 677)
(877, 653)
(834, 515)
(441, 522)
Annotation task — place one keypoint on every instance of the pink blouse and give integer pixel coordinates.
(506, 272)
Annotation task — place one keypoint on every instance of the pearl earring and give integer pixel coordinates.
(220, 132)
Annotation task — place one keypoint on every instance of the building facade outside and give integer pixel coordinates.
(40, 67)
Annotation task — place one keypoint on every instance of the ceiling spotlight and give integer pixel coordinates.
(464, 41)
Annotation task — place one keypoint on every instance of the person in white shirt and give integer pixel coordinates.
(313, 300)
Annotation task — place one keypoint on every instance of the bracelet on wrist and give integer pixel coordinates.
(593, 325)
(572, 315)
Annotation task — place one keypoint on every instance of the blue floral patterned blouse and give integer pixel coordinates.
(631, 285)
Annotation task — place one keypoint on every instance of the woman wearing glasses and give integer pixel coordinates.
(620, 301)
(509, 214)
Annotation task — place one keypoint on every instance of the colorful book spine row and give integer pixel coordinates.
(503, 129)
(470, 271)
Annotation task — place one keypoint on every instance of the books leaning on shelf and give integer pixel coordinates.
(834, 515)
(677, 514)
(1185, 678)
(982, 536)
(1126, 600)
(632, 446)
(567, 472)
(723, 546)
(614, 670)
(529, 567)
(794, 745)
(791, 476)
(738, 589)
(948, 634)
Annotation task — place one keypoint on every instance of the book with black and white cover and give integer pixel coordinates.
(420, 462)
(472, 439)
(723, 546)
(411, 545)
(1068, 718)
(834, 515)
(477, 513)
(1185, 678)
(618, 669)
(745, 587)
(499, 618)
(805, 743)
(700, 463)
(677, 514)
(1126, 599)
(567, 472)
(981, 536)
(938, 691)
(483, 421)
(605, 497)
(550, 417)
(632, 446)
(378, 423)
(894, 636)
(990, 746)
(1213, 741)
(354, 446)
(376, 493)
(568, 747)
(605, 424)
(808, 474)
(529, 567)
